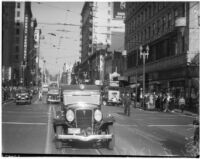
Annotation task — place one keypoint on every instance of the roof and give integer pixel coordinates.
(77, 87)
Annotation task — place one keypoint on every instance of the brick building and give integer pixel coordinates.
(171, 30)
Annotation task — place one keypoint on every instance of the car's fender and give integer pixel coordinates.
(109, 120)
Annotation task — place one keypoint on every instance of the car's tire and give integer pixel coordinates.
(104, 103)
(59, 130)
(111, 142)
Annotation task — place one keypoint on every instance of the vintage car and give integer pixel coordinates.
(81, 118)
(53, 95)
(23, 96)
(111, 95)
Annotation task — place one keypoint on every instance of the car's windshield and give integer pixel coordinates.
(22, 91)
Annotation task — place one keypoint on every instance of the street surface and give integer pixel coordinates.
(27, 129)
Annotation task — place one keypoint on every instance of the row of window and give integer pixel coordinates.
(133, 25)
(164, 48)
(159, 26)
(146, 13)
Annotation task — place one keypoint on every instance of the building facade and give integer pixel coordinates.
(101, 21)
(21, 47)
(8, 23)
(171, 30)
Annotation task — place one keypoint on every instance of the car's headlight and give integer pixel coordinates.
(19, 96)
(98, 115)
(26, 96)
(70, 115)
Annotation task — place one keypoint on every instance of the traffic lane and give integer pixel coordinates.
(170, 136)
(76, 147)
(24, 128)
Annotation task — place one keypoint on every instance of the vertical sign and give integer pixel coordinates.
(118, 10)
(25, 38)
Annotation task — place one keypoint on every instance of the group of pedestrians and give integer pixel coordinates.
(8, 92)
(165, 102)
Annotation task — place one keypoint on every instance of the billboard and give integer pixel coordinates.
(118, 10)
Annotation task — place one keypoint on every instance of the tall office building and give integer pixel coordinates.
(102, 30)
(171, 30)
(8, 23)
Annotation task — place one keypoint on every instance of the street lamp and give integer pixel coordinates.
(144, 55)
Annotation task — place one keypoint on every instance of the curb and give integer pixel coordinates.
(185, 113)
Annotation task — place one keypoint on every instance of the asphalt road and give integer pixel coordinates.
(27, 129)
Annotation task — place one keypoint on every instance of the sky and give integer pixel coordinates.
(59, 43)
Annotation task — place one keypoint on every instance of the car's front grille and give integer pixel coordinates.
(84, 118)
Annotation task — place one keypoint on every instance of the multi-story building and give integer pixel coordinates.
(102, 29)
(22, 42)
(171, 30)
(8, 23)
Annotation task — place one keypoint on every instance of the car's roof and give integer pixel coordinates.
(78, 87)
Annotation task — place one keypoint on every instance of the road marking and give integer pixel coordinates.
(26, 112)
(22, 123)
(54, 112)
(124, 124)
(168, 125)
(47, 146)
(97, 151)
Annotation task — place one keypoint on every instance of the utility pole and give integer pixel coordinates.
(143, 55)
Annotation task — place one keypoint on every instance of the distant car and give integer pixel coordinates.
(44, 88)
(53, 96)
(23, 96)
(81, 118)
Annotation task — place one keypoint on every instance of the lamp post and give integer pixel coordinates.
(144, 55)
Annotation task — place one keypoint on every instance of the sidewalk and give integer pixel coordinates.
(185, 112)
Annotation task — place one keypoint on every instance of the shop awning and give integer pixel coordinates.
(123, 78)
(134, 85)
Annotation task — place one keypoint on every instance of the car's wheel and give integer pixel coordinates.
(111, 142)
(104, 103)
(59, 131)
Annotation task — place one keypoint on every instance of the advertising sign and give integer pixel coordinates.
(118, 10)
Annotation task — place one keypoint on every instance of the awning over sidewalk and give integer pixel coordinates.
(123, 78)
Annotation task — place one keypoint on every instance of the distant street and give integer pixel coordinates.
(28, 129)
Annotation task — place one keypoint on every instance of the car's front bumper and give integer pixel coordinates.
(22, 100)
(84, 138)
(53, 100)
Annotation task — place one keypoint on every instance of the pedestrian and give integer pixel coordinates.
(166, 103)
(127, 104)
(40, 95)
(181, 103)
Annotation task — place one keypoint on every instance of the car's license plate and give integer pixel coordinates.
(74, 130)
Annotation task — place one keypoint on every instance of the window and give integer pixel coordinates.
(142, 18)
(17, 31)
(18, 13)
(17, 49)
(18, 5)
(18, 23)
(109, 12)
(149, 11)
(145, 15)
(108, 20)
(108, 28)
(169, 23)
(154, 28)
(158, 26)
(145, 34)
(16, 57)
(17, 40)
(108, 4)
(163, 23)
(149, 32)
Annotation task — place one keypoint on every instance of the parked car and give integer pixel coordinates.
(53, 96)
(23, 96)
(81, 117)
